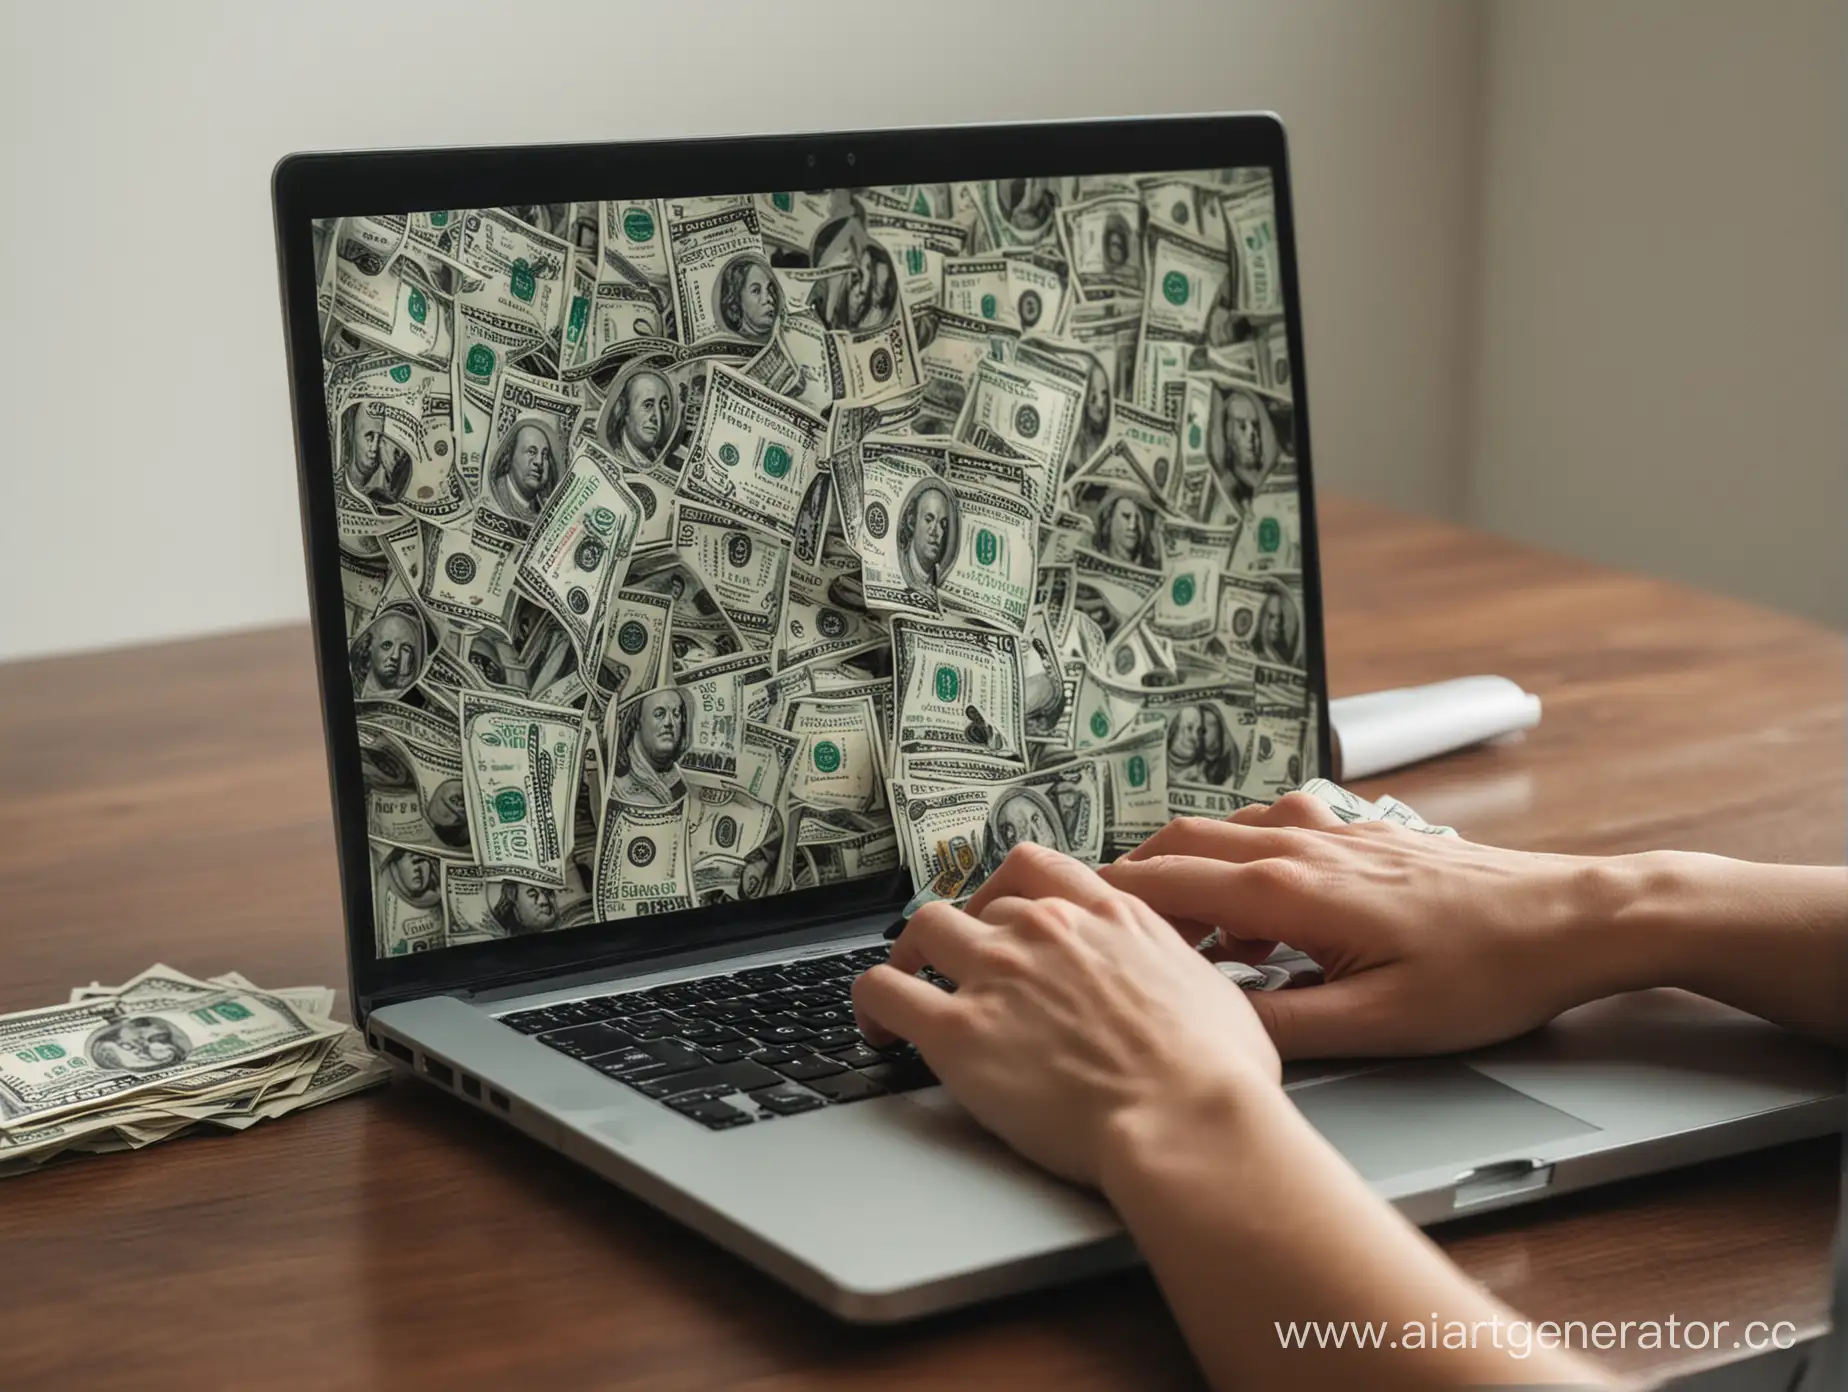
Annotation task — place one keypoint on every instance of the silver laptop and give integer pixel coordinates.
(717, 546)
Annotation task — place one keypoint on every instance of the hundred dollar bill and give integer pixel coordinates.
(1280, 700)
(976, 287)
(1398, 813)
(654, 490)
(486, 340)
(823, 609)
(1188, 282)
(765, 758)
(529, 441)
(723, 285)
(755, 453)
(926, 543)
(743, 569)
(1194, 561)
(1136, 781)
(643, 865)
(1251, 227)
(956, 836)
(525, 272)
(622, 319)
(838, 762)
(1103, 711)
(1032, 480)
(763, 701)
(959, 688)
(161, 1028)
(1349, 807)
(950, 349)
(634, 644)
(413, 789)
(1272, 536)
(469, 575)
(1103, 240)
(1113, 594)
(792, 219)
(851, 858)
(481, 907)
(1032, 414)
(919, 247)
(1161, 365)
(365, 291)
(728, 822)
(579, 550)
(631, 241)
(521, 762)
(1208, 743)
(1015, 212)
(715, 714)
(1261, 617)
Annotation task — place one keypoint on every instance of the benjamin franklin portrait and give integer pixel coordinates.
(748, 297)
(1026, 207)
(519, 908)
(387, 656)
(1241, 443)
(525, 469)
(640, 416)
(1125, 529)
(650, 738)
(411, 876)
(864, 295)
(1200, 748)
(1119, 244)
(1279, 633)
(139, 1044)
(378, 467)
(1022, 814)
(929, 534)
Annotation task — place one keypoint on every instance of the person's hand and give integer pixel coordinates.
(1428, 943)
(1074, 1003)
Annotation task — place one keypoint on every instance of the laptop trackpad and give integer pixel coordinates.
(1416, 1116)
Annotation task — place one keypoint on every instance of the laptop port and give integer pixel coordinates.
(499, 1099)
(471, 1087)
(442, 1072)
(397, 1050)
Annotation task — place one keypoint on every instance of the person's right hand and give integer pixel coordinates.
(1428, 943)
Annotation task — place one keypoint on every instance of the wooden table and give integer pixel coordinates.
(170, 803)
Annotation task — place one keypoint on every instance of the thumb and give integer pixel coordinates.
(1339, 1019)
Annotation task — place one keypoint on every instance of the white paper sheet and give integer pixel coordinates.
(1388, 729)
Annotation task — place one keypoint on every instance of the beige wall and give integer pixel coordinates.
(150, 480)
(1660, 295)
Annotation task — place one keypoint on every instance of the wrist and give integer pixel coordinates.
(1188, 1132)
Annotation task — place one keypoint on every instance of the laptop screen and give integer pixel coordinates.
(698, 550)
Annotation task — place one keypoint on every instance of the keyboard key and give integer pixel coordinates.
(648, 1017)
(776, 1053)
(740, 1076)
(846, 1087)
(868, 956)
(587, 1041)
(858, 1055)
(833, 1018)
(649, 1059)
(901, 1077)
(787, 1100)
(727, 1053)
(761, 978)
(790, 1033)
(831, 1039)
(806, 1066)
(717, 1115)
(708, 1033)
(533, 1021)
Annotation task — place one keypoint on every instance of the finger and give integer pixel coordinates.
(1263, 899)
(1349, 1018)
(890, 1004)
(1298, 809)
(1039, 872)
(1216, 840)
(938, 935)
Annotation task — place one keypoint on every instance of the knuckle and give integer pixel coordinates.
(1299, 803)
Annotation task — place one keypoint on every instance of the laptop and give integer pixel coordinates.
(717, 546)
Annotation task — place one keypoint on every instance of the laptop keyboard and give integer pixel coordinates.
(735, 1049)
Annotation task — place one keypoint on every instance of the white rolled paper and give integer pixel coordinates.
(1388, 729)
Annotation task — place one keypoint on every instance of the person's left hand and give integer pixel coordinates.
(1075, 1003)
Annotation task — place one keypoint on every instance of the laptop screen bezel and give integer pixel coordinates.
(310, 186)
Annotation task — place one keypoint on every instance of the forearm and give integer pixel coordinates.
(1249, 1220)
(1769, 939)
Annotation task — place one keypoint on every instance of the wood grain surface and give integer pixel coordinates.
(170, 803)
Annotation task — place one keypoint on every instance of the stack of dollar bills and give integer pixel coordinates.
(121, 1067)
